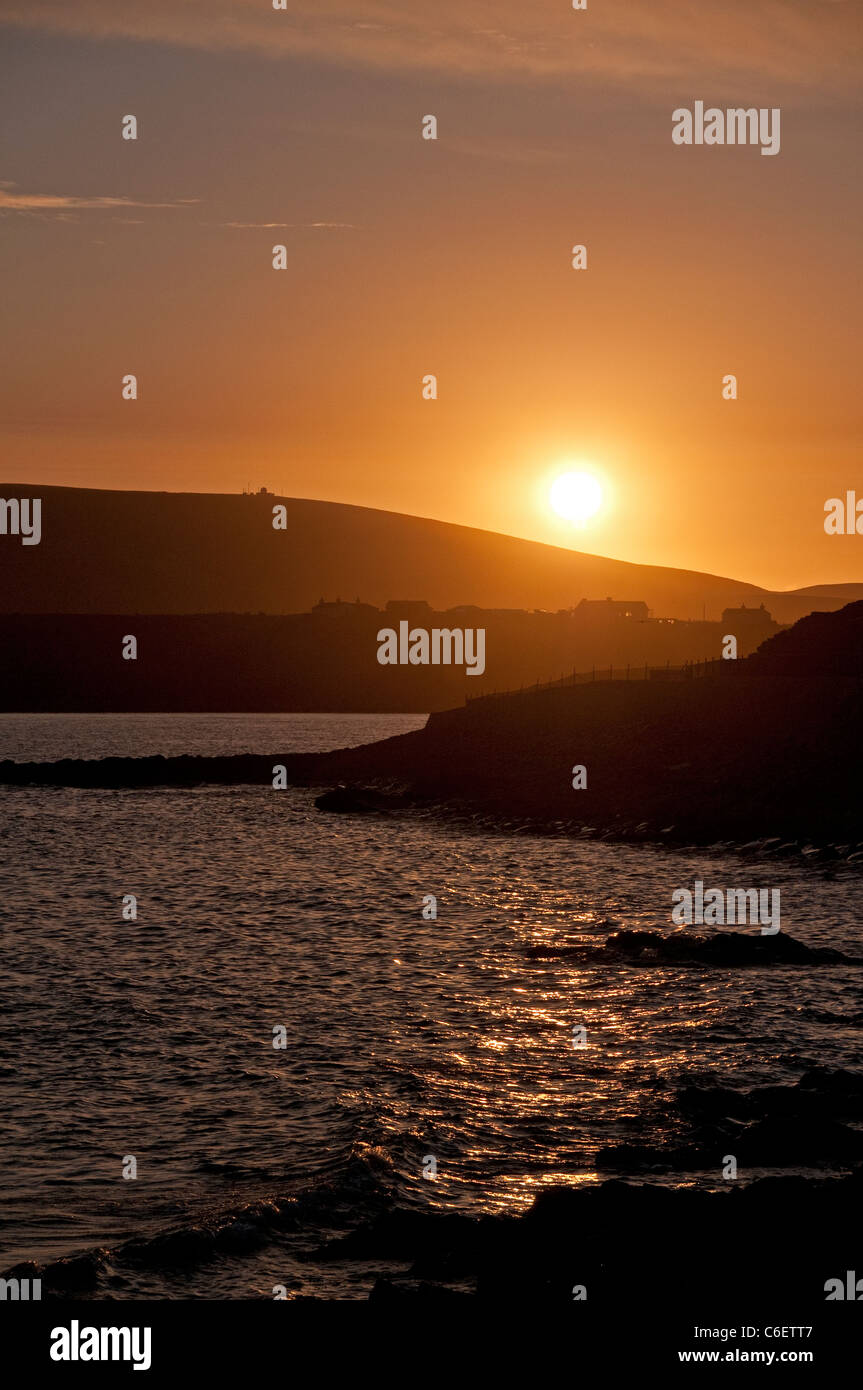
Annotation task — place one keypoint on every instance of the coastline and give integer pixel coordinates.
(593, 1243)
(701, 762)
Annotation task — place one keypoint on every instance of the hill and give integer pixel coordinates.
(820, 644)
(143, 552)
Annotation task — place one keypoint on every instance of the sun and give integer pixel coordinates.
(575, 496)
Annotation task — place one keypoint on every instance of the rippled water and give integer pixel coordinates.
(406, 1038)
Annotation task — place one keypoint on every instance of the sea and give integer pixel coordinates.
(315, 1019)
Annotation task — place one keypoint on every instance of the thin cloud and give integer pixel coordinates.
(287, 226)
(61, 203)
(813, 43)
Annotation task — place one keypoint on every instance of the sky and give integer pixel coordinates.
(452, 257)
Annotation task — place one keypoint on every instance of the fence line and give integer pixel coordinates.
(690, 670)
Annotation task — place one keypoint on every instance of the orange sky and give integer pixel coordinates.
(408, 257)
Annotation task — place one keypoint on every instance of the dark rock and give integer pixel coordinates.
(731, 949)
(76, 1274)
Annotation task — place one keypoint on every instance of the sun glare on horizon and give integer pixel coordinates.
(575, 496)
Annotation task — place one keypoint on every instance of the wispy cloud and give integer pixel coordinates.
(60, 203)
(289, 226)
(814, 43)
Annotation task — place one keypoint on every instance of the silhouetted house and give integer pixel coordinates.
(751, 627)
(342, 609)
(743, 619)
(605, 609)
(412, 610)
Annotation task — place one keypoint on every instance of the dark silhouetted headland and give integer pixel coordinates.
(767, 746)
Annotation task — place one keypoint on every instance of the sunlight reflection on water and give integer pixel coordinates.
(406, 1037)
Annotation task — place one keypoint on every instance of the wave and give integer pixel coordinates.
(361, 1186)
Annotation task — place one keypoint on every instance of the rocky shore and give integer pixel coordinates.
(607, 1244)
